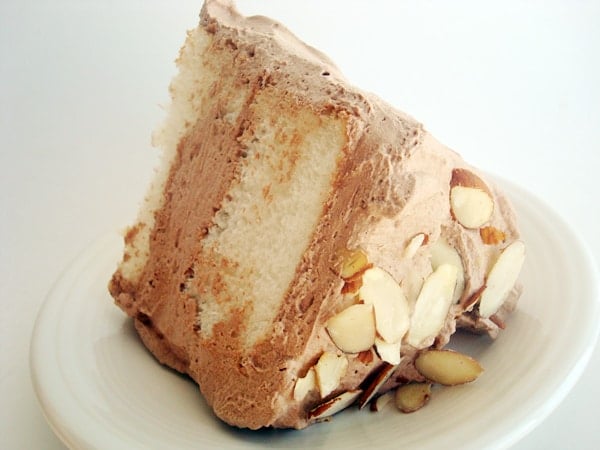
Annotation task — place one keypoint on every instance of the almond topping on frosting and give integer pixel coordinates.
(305, 384)
(414, 244)
(329, 370)
(353, 329)
(502, 278)
(471, 203)
(388, 352)
(389, 302)
(353, 261)
(373, 388)
(443, 253)
(335, 405)
(432, 306)
(491, 235)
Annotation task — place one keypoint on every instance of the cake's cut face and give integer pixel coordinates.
(303, 242)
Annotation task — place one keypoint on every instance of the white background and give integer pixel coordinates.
(512, 85)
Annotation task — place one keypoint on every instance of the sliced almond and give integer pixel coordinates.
(366, 357)
(472, 299)
(379, 403)
(471, 203)
(501, 279)
(444, 253)
(353, 261)
(353, 329)
(471, 207)
(352, 285)
(335, 405)
(329, 370)
(388, 352)
(467, 178)
(412, 397)
(432, 306)
(389, 302)
(305, 384)
(491, 235)
(379, 380)
(447, 367)
(414, 244)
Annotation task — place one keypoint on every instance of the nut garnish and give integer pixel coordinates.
(491, 235)
(444, 253)
(501, 279)
(472, 299)
(388, 352)
(447, 367)
(413, 396)
(352, 285)
(379, 403)
(414, 244)
(365, 357)
(329, 370)
(305, 384)
(379, 380)
(353, 261)
(353, 329)
(335, 405)
(389, 302)
(432, 306)
(471, 203)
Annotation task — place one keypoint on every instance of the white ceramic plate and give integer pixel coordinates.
(100, 388)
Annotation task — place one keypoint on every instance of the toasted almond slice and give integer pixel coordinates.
(432, 306)
(465, 177)
(413, 396)
(447, 367)
(468, 303)
(471, 202)
(366, 357)
(388, 352)
(389, 302)
(471, 207)
(379, 403)
(502, 278)
(352, 285)
(353, 329)
(305, 384)
(353, 261)
(329, 370)
(414, 244)
(379, 380)
(335, 405)
(491, 235)
(444, 253)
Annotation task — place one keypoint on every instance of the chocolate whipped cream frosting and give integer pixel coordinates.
(273, 167)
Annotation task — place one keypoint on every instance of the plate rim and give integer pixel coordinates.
(70, 437)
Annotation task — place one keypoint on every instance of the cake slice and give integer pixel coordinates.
(302, 241)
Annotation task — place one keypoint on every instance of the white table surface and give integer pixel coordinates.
(512, 85)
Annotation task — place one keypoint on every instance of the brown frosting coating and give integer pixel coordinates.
(390, 181)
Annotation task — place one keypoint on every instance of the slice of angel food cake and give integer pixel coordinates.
(304, 246)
